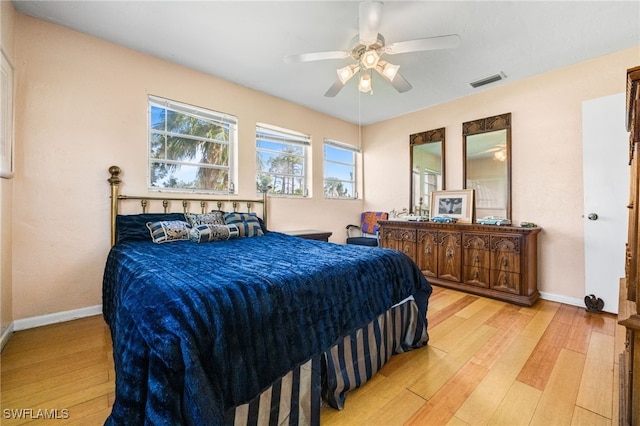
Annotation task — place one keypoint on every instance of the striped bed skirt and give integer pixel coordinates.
(296, 398)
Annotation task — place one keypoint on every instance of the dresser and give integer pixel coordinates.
(493, 261)
(629, 308)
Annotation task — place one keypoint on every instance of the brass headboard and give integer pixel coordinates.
(116, 198)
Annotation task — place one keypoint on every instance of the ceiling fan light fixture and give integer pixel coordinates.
(365, 83)
(370, 59)
(389, 70)
(366, 49)
(345, 73)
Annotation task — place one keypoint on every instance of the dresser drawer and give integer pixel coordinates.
(505, 253)
(401, 239)
(507, 282)
(476, 276)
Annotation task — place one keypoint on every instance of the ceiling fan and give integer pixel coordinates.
(367, 49)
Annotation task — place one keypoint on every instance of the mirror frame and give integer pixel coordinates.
(429, 136)
(486, 125)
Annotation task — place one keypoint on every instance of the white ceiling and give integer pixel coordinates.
(245, 43)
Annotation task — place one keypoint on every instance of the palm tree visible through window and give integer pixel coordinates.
(190, 148)
(281, 160)
(340, 169)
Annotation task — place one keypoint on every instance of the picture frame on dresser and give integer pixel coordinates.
(457, 204)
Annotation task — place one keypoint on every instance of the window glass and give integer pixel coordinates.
(281, 161)
(340, 170)
(190, 148)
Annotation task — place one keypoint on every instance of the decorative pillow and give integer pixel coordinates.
(210, 232)
(247, 223)
(369, 221)
(134, 226)
(216, 217)
(168, 231)
(263, 226)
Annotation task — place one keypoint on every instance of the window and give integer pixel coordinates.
(190, 148)
(340, 170)
(281, 160)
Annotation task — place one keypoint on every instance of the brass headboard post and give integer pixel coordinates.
(114, 180)
(264, 205)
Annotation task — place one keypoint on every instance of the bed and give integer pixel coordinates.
(258, 329)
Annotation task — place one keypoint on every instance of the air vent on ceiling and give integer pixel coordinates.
(488, 80)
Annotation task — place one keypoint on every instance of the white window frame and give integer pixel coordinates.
(227, 121)
(430, 181)
(7, 160)
(354, 181)
(269, 133)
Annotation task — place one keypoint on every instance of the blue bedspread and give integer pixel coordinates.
(200, 328)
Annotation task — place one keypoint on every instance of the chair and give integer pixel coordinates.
(367, 233)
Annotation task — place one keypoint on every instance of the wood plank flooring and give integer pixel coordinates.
(487, 363)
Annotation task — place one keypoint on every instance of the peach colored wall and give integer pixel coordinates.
(546, 162)
(82, 106)
(7, 41)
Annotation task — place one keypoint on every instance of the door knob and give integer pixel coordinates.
(592, 216)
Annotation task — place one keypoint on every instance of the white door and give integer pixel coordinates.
(606, 194)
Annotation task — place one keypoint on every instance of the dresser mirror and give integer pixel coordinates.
(426, 157)
(487, 164)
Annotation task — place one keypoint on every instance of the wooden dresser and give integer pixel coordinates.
(493, 261)
(629, 309)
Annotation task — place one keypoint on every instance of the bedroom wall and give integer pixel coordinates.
(546, 157)
(81, 106)
(7, 42)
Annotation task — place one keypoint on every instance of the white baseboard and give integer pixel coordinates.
(6, 334)
(562, 299)
(23, 324)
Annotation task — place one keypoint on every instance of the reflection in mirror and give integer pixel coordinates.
(487, 165)
(427, 168)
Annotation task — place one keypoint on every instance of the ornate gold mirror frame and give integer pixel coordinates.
(486, 154)
(426, 168)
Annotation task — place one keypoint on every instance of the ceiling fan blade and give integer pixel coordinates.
(317, 56)
(421, 44)
(401, 84)
(334, 89)
(370, 13)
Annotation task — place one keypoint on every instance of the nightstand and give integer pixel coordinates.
(310, 234)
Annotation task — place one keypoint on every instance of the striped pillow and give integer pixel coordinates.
(216, 217)
(209, 232)
(168, 231)
(247, 223)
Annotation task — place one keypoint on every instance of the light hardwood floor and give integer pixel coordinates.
(487, 362)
